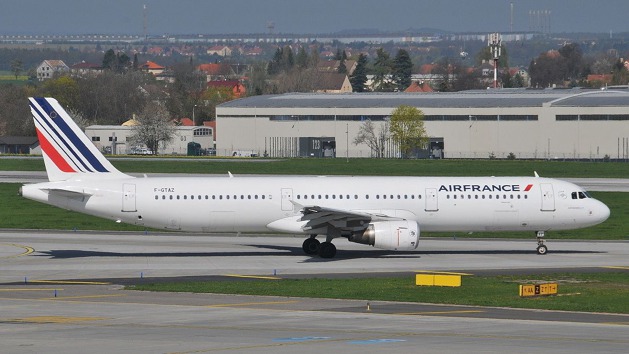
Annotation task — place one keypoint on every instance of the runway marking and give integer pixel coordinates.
(69, 282)
(83, 297)
(300, 339)
(255, 303)
(252, 277)
(616, 267)
(55, 319)
(376, 341)
(27, 250)
(438, 312)
(435, 272)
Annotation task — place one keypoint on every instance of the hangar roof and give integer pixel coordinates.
(577, 97)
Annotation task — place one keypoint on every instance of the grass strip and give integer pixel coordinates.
(374, 167)
(587, 292)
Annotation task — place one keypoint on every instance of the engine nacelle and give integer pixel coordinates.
(400, 235)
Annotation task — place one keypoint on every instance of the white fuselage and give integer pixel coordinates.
(250, 204)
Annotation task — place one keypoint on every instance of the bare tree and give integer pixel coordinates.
(154, 127)
(375, 138)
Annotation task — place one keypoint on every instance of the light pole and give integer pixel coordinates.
(194, 122)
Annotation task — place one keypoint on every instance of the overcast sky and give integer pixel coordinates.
(303, 16)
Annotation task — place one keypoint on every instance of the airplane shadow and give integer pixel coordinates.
(268, 250)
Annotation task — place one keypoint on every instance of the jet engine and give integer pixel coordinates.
(402, 235)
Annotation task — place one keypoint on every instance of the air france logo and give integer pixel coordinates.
(484, 188)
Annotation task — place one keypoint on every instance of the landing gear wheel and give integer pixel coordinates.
(542, 249)
(327, 250)
(311, 246)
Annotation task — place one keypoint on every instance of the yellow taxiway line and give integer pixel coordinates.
(255, 303)
(428, 313)
(252, 277)
(69, 282)
(616, 267)
(27, 250)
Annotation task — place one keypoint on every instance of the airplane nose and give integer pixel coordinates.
(601, 212)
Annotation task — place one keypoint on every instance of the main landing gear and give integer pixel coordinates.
(312, 246)
(541, 247)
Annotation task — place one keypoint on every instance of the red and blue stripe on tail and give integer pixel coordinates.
(67, 151)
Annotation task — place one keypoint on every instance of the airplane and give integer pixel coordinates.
(383, 212)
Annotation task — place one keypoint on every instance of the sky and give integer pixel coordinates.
(303, 16)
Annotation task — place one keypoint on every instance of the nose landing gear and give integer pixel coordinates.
(541, 247)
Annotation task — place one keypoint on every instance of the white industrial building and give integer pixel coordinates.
(530, 123)
(115, 139)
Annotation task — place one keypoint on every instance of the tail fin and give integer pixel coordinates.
(68, 153)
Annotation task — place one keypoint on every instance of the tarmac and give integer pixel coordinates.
(62, 292)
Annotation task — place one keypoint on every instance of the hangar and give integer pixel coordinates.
(528, 123)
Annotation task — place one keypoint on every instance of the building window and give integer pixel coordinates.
(202, 132)
(96, 138)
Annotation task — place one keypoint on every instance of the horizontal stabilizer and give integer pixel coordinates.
(68, 192)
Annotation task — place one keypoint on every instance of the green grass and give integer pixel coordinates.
(339, 166)
(590, 292)
(21, 213)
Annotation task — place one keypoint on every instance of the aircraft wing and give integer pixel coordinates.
(318, 218)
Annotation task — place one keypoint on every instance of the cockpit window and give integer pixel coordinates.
(574, 195)
(580, 195)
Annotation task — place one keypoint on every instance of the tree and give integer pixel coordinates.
(110, 61)
(342, 69)
(64, 88)
(16, 67)
(154, 127)
(376, 140)
(382, 70)
(359, 76)
(407, 129)
(402, 70)
(302, 58)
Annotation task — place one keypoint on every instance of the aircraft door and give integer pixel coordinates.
(287, 196)
(548, 197)
(432, 203)
(128, 197)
